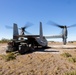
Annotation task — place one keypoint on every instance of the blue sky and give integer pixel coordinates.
(22, 11)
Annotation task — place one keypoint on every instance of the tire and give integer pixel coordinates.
(23, 49)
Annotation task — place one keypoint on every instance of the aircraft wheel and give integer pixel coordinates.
(23, 49)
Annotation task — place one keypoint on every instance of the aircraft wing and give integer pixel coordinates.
(54, 36)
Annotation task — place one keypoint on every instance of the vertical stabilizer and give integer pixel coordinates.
(15, 31)
(41, 32)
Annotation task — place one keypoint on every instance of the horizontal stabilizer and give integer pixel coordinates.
(28, 36)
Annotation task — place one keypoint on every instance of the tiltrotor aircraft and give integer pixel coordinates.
(21, 44)
(24, 43)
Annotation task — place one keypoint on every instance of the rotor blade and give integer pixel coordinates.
(27, 32)
(28, 24)
(9, 27)
(23, 27)
(55, 24)
(71, 26)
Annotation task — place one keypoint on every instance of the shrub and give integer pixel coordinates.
(3, 40)
(10, 56)
(66, 55)
(71, 73)
(72, 59)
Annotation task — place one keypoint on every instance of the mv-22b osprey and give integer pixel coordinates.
(24, 43)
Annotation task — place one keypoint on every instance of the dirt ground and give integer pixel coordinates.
(47, 62)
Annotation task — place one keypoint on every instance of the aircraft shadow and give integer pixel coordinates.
(41, 50)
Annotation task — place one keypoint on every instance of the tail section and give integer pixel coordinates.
(15, 31)
(41, 32)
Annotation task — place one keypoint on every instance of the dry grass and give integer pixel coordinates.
(36, 64)
(72, 59)
(9, 56)
(40, 64)
(66, 55)
(71, 73)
